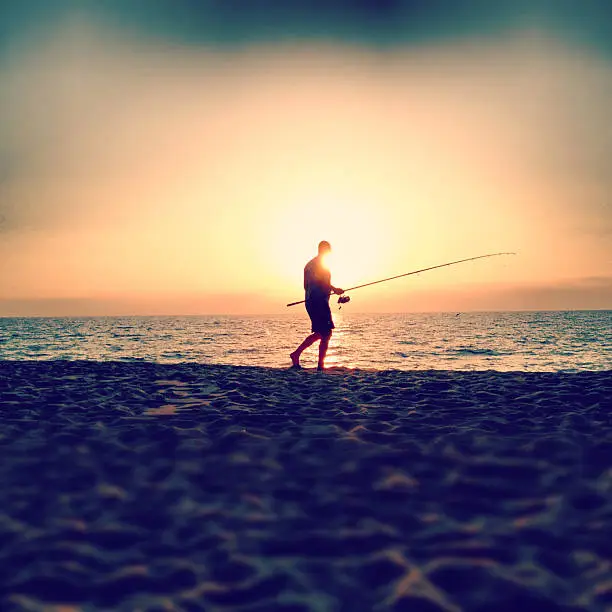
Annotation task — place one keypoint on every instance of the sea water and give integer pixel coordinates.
(528, 341)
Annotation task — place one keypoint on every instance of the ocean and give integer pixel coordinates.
(504, 341)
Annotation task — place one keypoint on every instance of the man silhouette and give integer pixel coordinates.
(317, 287)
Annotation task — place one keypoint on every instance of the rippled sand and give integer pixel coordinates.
(163, 487)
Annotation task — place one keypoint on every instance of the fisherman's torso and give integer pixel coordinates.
(317, 280)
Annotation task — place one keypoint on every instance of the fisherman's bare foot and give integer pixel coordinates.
(295, 360)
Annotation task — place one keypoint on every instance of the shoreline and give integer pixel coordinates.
(127, 485)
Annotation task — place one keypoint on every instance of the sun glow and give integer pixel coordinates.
(357, 231)
(326, 261)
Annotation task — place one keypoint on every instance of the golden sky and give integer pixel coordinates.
(145, 176)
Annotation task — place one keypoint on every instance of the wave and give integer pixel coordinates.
(467, 350)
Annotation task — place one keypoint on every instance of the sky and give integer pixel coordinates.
(180, 157)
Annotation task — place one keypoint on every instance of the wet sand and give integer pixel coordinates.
(136, 486)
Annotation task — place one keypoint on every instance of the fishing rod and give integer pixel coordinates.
(344, 299)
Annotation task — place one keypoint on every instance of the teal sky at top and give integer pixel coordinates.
(374, 23)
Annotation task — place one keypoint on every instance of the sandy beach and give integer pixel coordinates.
(138, 486)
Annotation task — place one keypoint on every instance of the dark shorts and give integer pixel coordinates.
(320, 316)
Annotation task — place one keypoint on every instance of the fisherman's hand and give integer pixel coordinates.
(338, 291)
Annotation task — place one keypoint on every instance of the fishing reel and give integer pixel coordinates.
(343, 299)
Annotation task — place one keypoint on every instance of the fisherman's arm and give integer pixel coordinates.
(333, 289)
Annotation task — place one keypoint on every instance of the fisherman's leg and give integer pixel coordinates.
(295, 356)
(323, 348)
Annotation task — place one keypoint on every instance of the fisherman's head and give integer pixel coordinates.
(324, 247)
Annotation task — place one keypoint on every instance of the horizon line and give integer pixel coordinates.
(287, 314)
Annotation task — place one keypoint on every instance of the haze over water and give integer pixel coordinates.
(527, 341)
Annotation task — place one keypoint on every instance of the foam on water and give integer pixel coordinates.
(529, 341)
